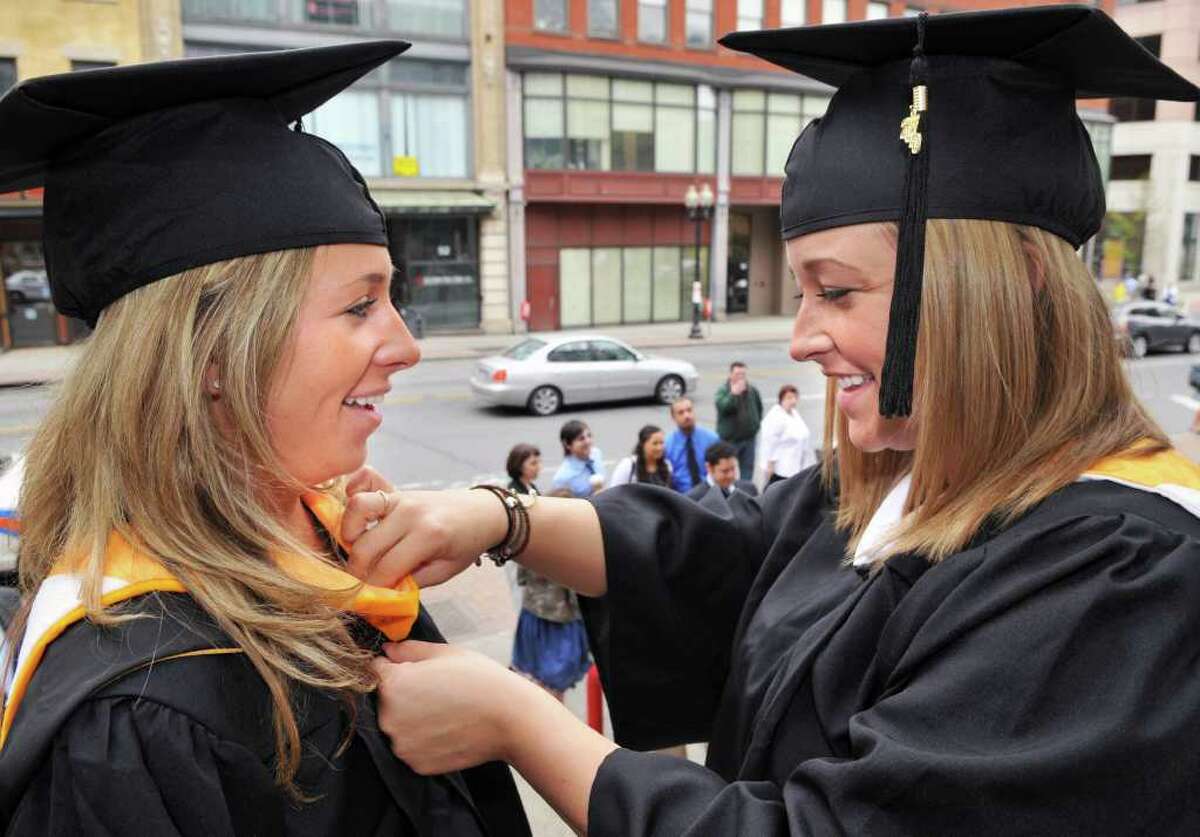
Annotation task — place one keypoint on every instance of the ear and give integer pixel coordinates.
(212, 381)
(1035, 264)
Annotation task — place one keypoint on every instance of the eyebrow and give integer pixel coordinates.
(812, 265)
(373, 279)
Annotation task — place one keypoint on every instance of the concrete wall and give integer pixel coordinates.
(45, 36)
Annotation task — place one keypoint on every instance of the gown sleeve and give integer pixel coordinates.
(1055, 690)
(678, 573)
(128, 766)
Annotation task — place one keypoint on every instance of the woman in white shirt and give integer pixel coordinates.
(647, 463)
(786, 441)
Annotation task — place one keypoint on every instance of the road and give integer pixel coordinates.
(434, 436)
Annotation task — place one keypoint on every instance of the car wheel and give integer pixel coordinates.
(1193, 343)
(1138, 346)
(669, 389)
(545, 401)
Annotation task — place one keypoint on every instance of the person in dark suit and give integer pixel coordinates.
(721, 461)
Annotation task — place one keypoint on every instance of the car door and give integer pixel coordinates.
(571, 370)
(1176, 328)
(618, 373)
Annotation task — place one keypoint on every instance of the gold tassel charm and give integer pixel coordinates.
(910, 126)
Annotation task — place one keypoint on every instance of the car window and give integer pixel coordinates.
(570, 353)
(607, 350)
(1142, 312)
(524, 349)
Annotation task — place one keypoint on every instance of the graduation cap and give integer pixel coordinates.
(152, 169)
(968, 115)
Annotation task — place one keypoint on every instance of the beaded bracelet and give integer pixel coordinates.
(516, 537)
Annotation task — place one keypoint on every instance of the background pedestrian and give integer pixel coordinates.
(686, 445)
(647, 463)
(786, 441)
(739, 414)
(524, 465)
(720, 461)
(582, 469)
(550, 645)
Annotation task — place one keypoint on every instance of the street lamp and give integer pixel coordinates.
(699, 203)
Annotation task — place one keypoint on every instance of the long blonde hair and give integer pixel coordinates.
(1018, 389)
(131, 446)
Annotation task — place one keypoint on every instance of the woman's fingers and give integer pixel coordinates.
(363, 510)
(367, 478)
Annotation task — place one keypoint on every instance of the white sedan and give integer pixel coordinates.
(543, 373)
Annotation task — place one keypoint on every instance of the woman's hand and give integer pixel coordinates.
(446, 708)
(431, 535)
(367, 478)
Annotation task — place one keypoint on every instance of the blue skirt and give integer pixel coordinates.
(554, 654)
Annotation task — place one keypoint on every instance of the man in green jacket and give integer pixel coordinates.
(739, 413)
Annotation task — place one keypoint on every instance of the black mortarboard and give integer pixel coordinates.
(1004, 142)
(152, 169)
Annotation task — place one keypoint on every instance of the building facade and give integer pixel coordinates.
(1153, 224)
(59, 36)
(616, 108)
(426, 131)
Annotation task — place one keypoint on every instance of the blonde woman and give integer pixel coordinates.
(980, 617)
(192, 657)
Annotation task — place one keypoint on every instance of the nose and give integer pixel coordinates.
(809, 338)
(399, 349)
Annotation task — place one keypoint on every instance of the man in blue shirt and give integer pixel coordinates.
(686, 445)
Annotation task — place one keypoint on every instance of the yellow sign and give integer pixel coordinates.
(405, 166)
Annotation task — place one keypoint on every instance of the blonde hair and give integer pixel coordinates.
(131, 446)
(1018, 389)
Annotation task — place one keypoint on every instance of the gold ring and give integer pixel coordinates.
(387, 503)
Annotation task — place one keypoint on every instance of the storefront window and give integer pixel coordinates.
(428, 132)
(793, 12)
(749, 14)
(247, 10)
(550, 15)
(431, 129)
(350, 121)
(765, 126)
(441, 18)
(611, 285)
(698, 23)
(638, 293)
(652, 21)
(438, 270)
(601, 124)
(603, 18)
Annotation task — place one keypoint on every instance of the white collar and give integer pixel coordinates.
(876, 536)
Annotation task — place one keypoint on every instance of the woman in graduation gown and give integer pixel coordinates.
(979, 616)
(193, 659)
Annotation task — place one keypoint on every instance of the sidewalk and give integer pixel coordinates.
(49, 364)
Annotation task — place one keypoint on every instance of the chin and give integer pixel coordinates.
(879, 434)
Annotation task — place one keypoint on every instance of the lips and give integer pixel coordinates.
(850, 382)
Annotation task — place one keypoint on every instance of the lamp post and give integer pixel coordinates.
(699, 203)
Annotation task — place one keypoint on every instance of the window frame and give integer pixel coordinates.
(665, 5)
(763, 114)
(615, 35)
(373, 17)
(563, 97)
(710, 42)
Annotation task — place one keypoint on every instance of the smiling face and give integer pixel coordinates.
(845, 278)
(348, 339)
(652, 450)
(581, 445)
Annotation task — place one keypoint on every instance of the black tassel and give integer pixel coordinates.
(896, 388)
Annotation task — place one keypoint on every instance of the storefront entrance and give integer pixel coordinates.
(438, 270)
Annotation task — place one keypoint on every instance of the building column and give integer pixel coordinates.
(718, 246)
(488, 101)
(162, 30)
(516, 200)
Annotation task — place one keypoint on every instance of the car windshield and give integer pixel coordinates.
(524, 349)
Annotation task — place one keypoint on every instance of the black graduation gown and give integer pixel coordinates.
(112, 738)
(1046, 680)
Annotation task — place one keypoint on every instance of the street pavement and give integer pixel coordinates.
(434, 436)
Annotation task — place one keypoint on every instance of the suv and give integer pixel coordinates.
(1145, 326)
